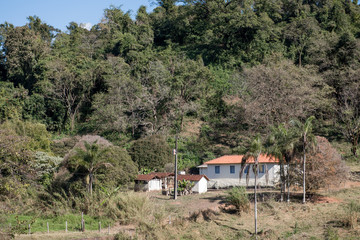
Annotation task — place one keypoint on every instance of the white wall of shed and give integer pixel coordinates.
(154, 184)
(200, 186)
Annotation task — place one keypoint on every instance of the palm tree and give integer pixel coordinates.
(89, 160)
(282, 143)
(306, 139)
(253, 151)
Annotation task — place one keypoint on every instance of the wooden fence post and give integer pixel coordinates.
(47, 224)
(109, 229)
(99, 226)
(82, 222)
(29, 229)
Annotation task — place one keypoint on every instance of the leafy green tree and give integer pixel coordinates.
(89, 161)
(300, 32)
(24, 49)
(69, 80)
(282, 144)
(123, 170)
(151, 152)
(11, 101)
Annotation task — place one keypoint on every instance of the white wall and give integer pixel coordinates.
(227, 179)
(200, 186)
(154, 184)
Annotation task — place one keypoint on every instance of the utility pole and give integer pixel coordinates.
(175, 177)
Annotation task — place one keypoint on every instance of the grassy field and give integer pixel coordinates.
(324, 217)
(328, 215)
(206, 216)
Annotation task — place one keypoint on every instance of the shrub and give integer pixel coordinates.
(39, 137)
(185, 186)
(238, 197)
(324, 167)
(352, 211)
(45, 166)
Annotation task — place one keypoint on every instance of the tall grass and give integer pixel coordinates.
(19, 223)
(352, 214)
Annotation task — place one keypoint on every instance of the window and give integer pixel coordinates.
(217, 169)
(246, 169)
(232, 169)
(261, 168)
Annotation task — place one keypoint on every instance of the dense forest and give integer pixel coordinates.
(216, 73)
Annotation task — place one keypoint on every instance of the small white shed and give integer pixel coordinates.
(200, 181)
(153, 181)
(145, 182)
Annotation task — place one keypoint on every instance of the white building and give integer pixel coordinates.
(200, 182)
(225, 171)
(165, 181)
(153, 181)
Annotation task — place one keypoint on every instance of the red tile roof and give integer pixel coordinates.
(192, 177)
(148, 177)
(163, 174)
(236, 159)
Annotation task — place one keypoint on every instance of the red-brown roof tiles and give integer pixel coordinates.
(236, 159)
(192, 177)
(148, 177)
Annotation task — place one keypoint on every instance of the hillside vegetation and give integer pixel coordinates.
(83, 111)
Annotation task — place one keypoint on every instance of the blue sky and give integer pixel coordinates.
(59, 13)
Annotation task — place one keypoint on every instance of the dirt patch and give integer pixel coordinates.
(324, 199)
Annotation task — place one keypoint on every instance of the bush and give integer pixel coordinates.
(238, 197)
(39, 137)
(352, 211)
(184, 187)
(324, 167)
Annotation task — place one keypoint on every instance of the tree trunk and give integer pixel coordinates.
(282, 182)
(354, 146)
(288, 183)
(304, 169)
(72, 122)
(255, 200)
(90, 183)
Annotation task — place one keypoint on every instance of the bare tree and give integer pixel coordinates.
(279, 92)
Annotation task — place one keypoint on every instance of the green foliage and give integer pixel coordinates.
(123, 171)
(36, 132)
(151, 152)
(235, 68)
(15, 164)
(11, 101)
(19, 223)
(238, 197)
(185, 186)
(331, 234)
(45, 166)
